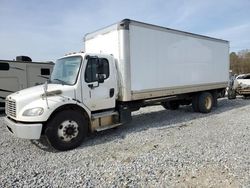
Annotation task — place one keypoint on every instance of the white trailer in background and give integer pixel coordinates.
(125, 66)
(18, 75)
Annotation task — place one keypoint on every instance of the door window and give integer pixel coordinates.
(4, 66)
(95, 67)
(45, 71)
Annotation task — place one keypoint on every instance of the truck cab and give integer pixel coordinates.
(79, 98)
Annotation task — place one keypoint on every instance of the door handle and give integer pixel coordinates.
(111, 92)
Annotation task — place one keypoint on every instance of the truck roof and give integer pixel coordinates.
(124, 24)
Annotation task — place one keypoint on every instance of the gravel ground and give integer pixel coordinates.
(159, 148)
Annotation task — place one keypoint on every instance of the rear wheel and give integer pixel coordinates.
(195, 103)
(215, 98)
(66, 130)
(171, 105)
(2, 104)
(205, 102)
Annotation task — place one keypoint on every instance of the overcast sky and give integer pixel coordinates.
(47, 29)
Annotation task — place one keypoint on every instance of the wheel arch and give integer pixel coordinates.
(73, 107)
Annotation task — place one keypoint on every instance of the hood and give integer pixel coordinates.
(34, 97)
(36, 92)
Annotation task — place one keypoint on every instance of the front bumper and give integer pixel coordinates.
(21, 130)
(243, 91)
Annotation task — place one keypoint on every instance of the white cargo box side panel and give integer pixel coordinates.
(107, 43)
(165, 59)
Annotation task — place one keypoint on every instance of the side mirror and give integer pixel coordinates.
(101, 78)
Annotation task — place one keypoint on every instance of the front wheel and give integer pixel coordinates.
(66, 130)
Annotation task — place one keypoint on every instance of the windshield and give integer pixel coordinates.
(244, 76)
(66, 70)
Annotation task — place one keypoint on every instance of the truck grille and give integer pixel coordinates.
(10, 108)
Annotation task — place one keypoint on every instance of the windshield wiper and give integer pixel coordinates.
(62, 82)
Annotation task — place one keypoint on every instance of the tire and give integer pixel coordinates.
(195, 103)
(2, 104)
(215, 99)
(66, 130)
(171, 105)
(246, 96)
(205, 102)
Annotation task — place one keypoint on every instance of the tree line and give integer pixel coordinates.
(240, 62)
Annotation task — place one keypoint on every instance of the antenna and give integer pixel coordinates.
(45, 87)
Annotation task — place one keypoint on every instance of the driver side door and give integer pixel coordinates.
(99, 83)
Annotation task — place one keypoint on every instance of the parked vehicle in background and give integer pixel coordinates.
(241, 85)
(126, 66)
(20, 74)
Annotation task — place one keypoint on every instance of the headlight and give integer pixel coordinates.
(33, 112)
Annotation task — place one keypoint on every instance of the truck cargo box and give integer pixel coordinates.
(155, 61)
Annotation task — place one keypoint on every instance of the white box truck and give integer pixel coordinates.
(20, 74)
(125, 66)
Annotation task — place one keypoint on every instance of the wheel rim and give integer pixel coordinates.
(68, 130)
(208, 102)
